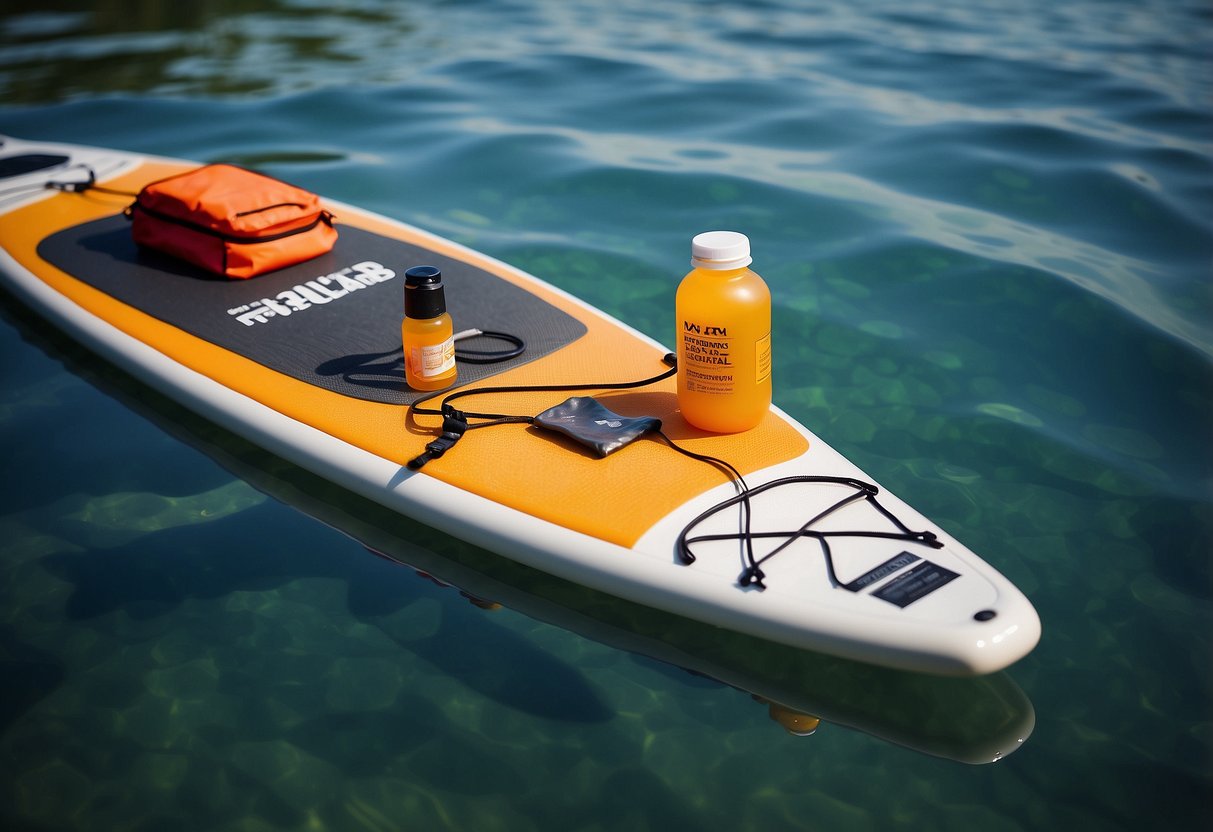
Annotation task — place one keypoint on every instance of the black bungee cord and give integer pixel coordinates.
(457, 422)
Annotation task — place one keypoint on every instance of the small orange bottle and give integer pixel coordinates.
(724, 336)
(427, 332)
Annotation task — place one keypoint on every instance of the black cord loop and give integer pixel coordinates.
(415, 407)
(752, 573)
(488, 356)
(446, 409)
(89, 184)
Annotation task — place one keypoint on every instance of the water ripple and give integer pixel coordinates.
(985, 227)
(1131, 283)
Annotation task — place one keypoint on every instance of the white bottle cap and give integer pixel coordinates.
(720, 250)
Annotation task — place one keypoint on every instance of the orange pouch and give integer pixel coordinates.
(231, 221)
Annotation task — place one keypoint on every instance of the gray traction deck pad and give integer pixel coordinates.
(349, 343)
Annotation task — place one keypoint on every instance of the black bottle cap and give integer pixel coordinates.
(423, 294)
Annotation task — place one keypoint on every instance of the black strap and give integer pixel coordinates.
(89, 184)
(468, 356)
(454, 425)
(452, 416)
(415, 407)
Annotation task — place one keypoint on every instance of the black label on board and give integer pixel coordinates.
(883, 571)
(919, 582)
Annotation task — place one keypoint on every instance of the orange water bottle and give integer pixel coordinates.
(724, 336)
(427, 332)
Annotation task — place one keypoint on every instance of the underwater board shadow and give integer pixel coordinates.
(973, 720)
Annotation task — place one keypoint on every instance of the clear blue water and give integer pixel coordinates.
(986, 226)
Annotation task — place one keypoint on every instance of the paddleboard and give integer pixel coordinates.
(305, 362)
